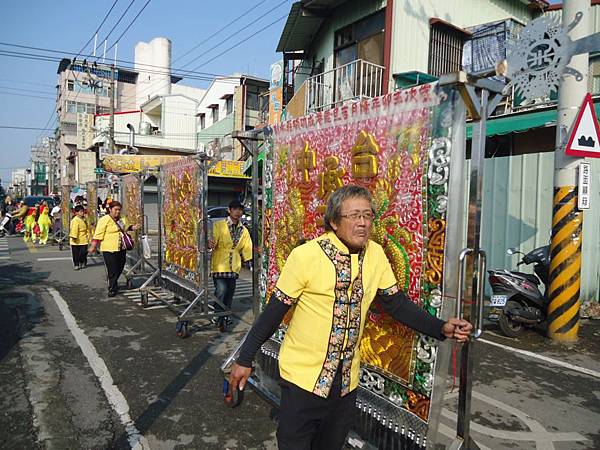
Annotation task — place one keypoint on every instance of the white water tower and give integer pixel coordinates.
(153, 64)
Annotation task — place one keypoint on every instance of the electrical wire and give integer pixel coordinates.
(95, 33)
(11, 127)
(130, 24)
(117, 24)
(27, 95)
(219, 30)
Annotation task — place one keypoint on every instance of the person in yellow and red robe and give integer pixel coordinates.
(44, 222)
(29, 223)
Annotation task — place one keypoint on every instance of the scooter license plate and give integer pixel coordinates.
(498, 300)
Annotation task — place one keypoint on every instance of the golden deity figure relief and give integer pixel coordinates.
(364, 156)
(291, 226)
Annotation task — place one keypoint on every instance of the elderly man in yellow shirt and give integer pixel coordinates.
(332, 281)
(231, 245)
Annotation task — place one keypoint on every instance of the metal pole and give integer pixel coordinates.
(567, 221)
(255, 243)
(111, 121)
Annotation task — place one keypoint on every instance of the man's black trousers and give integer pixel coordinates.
(115, 263)
(310, 422)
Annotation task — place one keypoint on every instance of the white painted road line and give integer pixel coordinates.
(56, 258)
(4, 257)
(547, 359)
(113, 394)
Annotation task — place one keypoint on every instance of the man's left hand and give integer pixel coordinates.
(458, 329)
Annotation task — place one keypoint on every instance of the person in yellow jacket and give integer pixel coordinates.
(79, 238)
(231, 245)
(108, 236)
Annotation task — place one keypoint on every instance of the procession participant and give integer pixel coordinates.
(44, 223)
(79, 238)
(108, 235)
(231, 243)
(29, 223)
(331, 281)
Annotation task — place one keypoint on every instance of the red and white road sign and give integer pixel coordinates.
(585, 137)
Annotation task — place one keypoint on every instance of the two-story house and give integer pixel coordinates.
(340, 50)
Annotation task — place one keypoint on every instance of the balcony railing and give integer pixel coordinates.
(353, 81)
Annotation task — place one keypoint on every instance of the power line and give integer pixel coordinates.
(11, 127)
(97, 29)
(218, 31)
(130, 24)
(203, 76)
(26, 95)
(26, 90)
(241, 42)
(118, 22)
(236, 33)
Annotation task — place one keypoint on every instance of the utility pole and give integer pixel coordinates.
(567, 220)
(111, 120)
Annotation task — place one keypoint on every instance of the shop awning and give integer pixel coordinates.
(517, 123)
(299, 31)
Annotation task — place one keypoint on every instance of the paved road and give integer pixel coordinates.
(79, 370)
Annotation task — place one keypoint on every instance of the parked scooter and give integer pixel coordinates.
(517, 302)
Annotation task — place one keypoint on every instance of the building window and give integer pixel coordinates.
(215, 114)
(361, 40)
(94, 88)
(89, 108)
(445, 48)
(202, 122)
(229, 104)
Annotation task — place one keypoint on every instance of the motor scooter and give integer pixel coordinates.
(517, 302)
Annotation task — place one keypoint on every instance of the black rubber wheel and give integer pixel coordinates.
(144, 299)
(509, 327)
(60, 245)
(222, 324)
(181, 329)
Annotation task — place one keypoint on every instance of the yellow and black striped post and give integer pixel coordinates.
(565, 266)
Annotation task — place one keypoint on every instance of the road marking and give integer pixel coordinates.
(113, 394)
(547, 359)
(56, 258)
(544, 439)
(4, 257)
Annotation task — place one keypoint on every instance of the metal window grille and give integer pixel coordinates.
(445, 49)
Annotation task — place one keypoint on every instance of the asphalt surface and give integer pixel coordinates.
(80, 370)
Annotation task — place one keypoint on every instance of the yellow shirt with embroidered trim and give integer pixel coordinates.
(314, 346)
(78, 232)
(108, 233)
(227, 257)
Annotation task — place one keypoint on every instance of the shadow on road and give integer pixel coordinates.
(145, 420)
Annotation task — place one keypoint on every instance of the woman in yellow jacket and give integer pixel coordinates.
(231, 245)
(108, 236)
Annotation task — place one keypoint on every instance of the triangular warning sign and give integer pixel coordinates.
(585, 138)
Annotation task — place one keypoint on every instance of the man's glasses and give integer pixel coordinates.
(356, 216)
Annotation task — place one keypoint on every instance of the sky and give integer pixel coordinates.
(27, 87)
